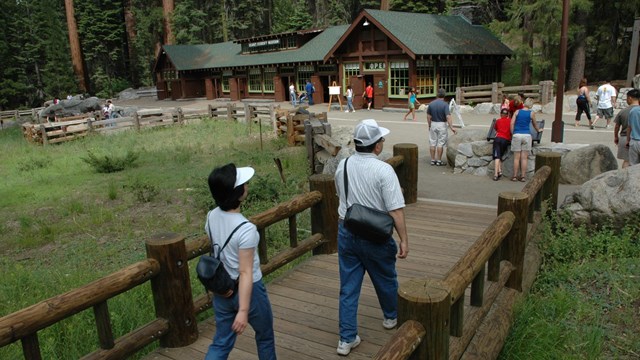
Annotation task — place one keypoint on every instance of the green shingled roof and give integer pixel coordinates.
(228, 54)
(439, 34)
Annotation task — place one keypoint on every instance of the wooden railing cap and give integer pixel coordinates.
(424, 291)
(513, 195)
(164, 239)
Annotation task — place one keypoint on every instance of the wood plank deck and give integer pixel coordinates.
(305, 300)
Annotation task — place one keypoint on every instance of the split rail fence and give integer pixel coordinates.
(541, 93)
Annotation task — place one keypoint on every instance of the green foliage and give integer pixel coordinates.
(144, 192)
(584, 302)
(188, 23)
(110, 163)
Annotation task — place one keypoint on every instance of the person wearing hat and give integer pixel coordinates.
(249, 304)
(502, 140)
(372, 183)
(439, 120)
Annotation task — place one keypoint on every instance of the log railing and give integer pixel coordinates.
(432, 312)
(542, 93)
(167, 268)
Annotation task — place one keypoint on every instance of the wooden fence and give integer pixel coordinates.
(431, 315)
(19, 115)
(167, 255)
(541, 93)
(71, 128)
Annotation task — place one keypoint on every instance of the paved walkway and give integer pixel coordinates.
(437, 183)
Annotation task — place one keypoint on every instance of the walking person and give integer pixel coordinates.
(606, 96)
(293, 94)
(368, 95)
(621, 127)
(411, 102)
(349, 95)
(583, 102)
(501, 142)
(249, 304)
(439, 120)
(633, 135)
(521, 140)
(372, 183)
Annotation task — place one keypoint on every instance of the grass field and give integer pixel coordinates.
(64, 225)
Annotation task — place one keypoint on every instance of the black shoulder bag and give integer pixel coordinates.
(211, 271)
(371, 224)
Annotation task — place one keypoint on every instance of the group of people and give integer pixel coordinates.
(372, 183)
(606, 97)
(298, 97)
(367, 95)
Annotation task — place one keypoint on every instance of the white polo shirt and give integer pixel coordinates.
(372, 183)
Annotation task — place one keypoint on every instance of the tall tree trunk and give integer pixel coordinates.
(527, 40)
(167, 9)
(578, 52)
(384, 5)
(130, 28)
(74, 45)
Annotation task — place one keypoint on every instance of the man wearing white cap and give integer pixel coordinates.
(249, 303)
(372, 183)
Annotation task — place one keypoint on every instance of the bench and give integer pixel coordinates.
(536, 136)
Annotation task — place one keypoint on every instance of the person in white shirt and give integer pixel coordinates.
(293, 94)
(606, 96)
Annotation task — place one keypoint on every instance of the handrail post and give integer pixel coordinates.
(549, 190)
(408, 171)
(324, 215)
(171, 289)
(514, 243)
(429, 303)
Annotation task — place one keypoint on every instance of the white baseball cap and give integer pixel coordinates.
(368, 132)
(243, 174)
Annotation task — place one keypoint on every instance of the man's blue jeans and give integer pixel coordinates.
(260, 319)
(355, 256)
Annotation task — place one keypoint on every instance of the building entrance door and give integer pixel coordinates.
(358, 89)
(379, 91)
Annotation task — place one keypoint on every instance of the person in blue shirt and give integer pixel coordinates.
(310, 89)
(521, 139)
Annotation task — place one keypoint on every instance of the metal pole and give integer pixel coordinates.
(557, 130)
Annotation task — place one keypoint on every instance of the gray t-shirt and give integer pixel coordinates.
(622, 119)
(439, 110)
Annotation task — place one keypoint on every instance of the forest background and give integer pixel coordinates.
(119, 39)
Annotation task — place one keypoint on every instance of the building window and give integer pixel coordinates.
(226, 75)
(304, 74)
(448, 70)
(470, 73)
(255, 81)
(349, 70)
(426, 78)
(291, 42)
(488, 71)
(267, 79)
(398, 78)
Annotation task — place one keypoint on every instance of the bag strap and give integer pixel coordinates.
(226, 242)
(346, 183)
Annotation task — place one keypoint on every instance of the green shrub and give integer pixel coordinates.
(110, 163)
(144, 192)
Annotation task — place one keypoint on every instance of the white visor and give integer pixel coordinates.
(243, 175)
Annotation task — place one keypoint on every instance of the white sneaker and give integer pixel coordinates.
(344, 348)
(608, 126)
(389, 323)
(346, 111)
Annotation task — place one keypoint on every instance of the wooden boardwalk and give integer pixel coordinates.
(305, 299)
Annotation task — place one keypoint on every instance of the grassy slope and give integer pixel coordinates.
(63, 225)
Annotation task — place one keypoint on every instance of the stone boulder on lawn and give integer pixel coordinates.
(585, 163)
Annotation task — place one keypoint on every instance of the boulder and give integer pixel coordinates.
(71, 107)
(465, 135)
(581, 165)
(484, 109)
(612, 197)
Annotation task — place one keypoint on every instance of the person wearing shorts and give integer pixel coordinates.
(439, 120)
(521, 140)
(620, 130)
(633, 136)
(503, 137)
(606, 95)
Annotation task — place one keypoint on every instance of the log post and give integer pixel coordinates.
(429, 303)
(514, 243)
(324, 215)
(31, 347)
(477, 289)
(408, 171)
(136, 121)
(43, 133)
(171, 289)
(549, 190)
(459, 94)
(495, 93)
(90, 125)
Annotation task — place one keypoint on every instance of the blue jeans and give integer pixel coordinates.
(350, 104)
(294, 98)
(260, 319)
(355, 256)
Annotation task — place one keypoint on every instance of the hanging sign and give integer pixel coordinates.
(374, 66)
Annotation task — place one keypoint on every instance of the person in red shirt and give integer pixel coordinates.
(501, 142)
(368, 95)
(516, 103)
